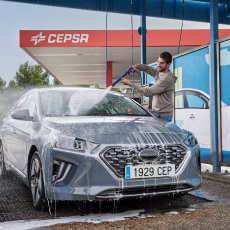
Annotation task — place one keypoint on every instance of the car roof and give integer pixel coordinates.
(196, 90)
(199, 91)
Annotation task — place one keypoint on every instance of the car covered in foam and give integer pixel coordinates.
(87, 144)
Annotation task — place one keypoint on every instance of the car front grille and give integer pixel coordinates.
(118, 158)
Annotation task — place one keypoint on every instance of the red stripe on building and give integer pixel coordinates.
(116, 38)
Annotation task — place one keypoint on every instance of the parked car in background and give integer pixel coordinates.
(83, 144)
(192, 112)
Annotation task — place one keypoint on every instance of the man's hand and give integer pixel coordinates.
(125, 82)
(134, 68)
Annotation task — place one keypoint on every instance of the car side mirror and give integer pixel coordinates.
(21, 114)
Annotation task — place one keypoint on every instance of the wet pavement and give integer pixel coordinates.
(15, 205)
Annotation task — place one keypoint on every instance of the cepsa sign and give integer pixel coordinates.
(61, 38)
(75, 38)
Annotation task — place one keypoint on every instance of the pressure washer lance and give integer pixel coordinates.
(127, 72)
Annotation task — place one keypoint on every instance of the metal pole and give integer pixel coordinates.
(173, 120)
(214, 95)
(143, 37)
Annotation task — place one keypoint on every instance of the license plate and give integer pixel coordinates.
(148, 171)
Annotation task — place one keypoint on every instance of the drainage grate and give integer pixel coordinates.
(16, 202)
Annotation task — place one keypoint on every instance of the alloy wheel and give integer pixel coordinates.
(36, 180)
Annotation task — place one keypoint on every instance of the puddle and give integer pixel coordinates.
(92, 218)
(172, 213)
(207, 196)
(200, 194)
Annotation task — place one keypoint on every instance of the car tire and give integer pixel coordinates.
(36, 184)
(2, 164)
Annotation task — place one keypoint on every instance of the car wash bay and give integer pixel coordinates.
(212, 11)
(12, 194)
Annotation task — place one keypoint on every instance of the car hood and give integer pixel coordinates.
(114, 130)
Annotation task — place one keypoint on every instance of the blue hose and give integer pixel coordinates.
(127, 72)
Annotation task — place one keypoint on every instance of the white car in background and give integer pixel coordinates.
(192, 112)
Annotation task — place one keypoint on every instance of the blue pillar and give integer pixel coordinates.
(143, 37)
(214, 107)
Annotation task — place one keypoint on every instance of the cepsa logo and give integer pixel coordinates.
(61, 38)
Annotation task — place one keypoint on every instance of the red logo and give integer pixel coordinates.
(38, 38)
(61, 38)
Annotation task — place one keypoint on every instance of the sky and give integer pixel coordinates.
(20, 16)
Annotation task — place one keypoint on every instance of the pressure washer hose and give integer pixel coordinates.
(127, 72)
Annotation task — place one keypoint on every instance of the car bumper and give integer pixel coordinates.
(92, 179)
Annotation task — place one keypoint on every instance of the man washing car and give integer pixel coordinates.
(163, 88)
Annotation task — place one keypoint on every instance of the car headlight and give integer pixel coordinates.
(190, 140)
(68, 142)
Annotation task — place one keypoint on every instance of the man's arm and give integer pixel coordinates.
(159, 87)
(147, 69)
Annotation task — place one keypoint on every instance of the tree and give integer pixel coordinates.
(123, 90)
(2, 83)
(31, 75)
(55, 82)
(12, 85)
(128, 90)
(117, 90)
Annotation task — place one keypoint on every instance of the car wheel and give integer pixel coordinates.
(2, 164)
(37, 184)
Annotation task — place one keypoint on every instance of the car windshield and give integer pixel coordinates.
(88, 103)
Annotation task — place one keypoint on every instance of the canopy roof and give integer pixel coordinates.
(78, 57)
(192, 10)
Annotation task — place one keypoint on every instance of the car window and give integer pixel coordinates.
(196, 100)
(30, 104)
(20, 103)
(88, 103)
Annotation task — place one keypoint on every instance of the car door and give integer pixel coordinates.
(9, 132)
(22, 135)
(198, 116)
(181, 113)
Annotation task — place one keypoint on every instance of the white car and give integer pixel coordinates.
(192, 112)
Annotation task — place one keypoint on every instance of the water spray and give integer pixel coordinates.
(127, 72)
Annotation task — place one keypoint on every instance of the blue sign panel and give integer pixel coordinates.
(150, 79)
(225, 98)
(192, 97)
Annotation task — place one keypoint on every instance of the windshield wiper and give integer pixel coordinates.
(53, 115)
(99, 115)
